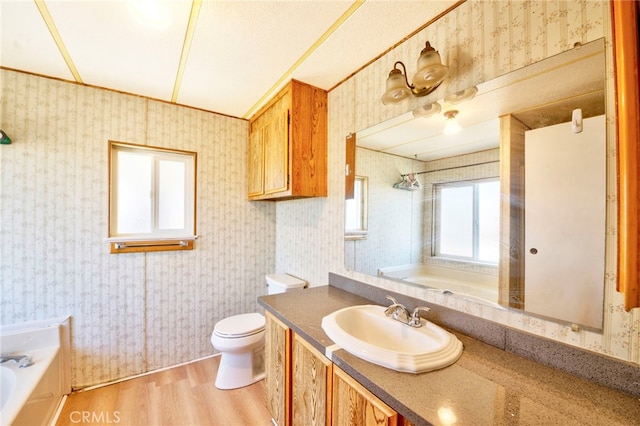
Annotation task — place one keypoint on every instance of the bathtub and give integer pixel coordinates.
(478, 287)
(31, 395)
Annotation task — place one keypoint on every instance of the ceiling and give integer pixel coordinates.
(223, 56)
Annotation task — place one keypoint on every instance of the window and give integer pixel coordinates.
(151, 198)
(467, 220)
(355, 210)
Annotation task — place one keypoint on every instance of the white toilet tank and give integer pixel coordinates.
(279, 283)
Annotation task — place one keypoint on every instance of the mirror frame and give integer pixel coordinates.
(624, 16)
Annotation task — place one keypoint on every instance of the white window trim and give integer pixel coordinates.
(436, 215)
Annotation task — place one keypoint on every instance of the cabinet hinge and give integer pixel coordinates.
(288, 179)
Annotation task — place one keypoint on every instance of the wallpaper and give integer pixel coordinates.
(478, 40)
(133, 313)
(136, 312)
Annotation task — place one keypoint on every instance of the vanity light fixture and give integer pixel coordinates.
(427, 110)
(452, 126)
(4, 138)
(461, 96)
(430, 74)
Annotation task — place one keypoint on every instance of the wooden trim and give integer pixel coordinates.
(511, 278)
(350, 166)
(149, 246)
(625, 45)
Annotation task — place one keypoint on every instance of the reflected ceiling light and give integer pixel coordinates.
(427, 110)
(430, 74)
(461, 96)
(452, 126)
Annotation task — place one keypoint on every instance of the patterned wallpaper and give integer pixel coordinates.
(479, 40)
(137, 312)
(391, 227)
(130, 312)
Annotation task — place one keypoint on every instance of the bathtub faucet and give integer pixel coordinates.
(22, 360)
(400, 313)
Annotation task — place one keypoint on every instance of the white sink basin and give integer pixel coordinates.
(366, 332)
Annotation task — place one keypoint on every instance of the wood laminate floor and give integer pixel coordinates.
(184, 395)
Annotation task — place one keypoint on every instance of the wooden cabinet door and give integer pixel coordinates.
(311, 387)
(276, 153)
(277, 369)
(255, 169)
(355, 405)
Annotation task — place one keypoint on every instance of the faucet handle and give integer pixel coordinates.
(415, 316)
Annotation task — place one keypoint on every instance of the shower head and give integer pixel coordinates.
(408, 183)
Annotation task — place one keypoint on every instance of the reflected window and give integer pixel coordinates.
(355, 210)
(467, 220)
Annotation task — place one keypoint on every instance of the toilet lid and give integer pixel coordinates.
(240, 325)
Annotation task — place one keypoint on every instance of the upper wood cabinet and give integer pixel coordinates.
(287, 155)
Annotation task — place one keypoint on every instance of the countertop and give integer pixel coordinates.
(486, 386)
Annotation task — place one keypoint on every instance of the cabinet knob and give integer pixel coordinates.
(533, 250)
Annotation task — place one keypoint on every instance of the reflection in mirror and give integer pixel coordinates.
(356, 210)
(405, 228)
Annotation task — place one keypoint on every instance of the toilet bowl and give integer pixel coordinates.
(240, 340)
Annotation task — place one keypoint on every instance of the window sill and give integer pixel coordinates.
(355, 235)
(121, 245)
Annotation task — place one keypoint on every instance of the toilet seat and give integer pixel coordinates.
(238, 326)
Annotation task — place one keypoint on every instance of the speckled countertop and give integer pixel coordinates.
(486, 386)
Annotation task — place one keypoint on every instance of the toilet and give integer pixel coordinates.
(240, 340)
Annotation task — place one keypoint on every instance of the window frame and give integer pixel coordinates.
(361, 232)
(156, 240)
(436, 252)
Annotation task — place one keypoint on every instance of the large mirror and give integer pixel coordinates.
(509, 211)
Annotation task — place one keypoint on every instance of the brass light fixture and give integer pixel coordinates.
(430, 74)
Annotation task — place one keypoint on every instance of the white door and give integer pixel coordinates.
(565, 195)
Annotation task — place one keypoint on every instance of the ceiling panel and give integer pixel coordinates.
(241, 49)
(25, 41)
(375, 27)
(113, 47)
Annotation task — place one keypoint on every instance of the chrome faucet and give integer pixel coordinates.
(400, 313)
(22, 360)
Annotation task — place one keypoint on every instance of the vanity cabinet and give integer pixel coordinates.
(353, 404)
(277, 382)
(312, 375)
(287, 153)
(303, 387)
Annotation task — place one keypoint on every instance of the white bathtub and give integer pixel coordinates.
(31, 395)
(475, 286)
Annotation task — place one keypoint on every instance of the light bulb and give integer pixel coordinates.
(452, 126)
